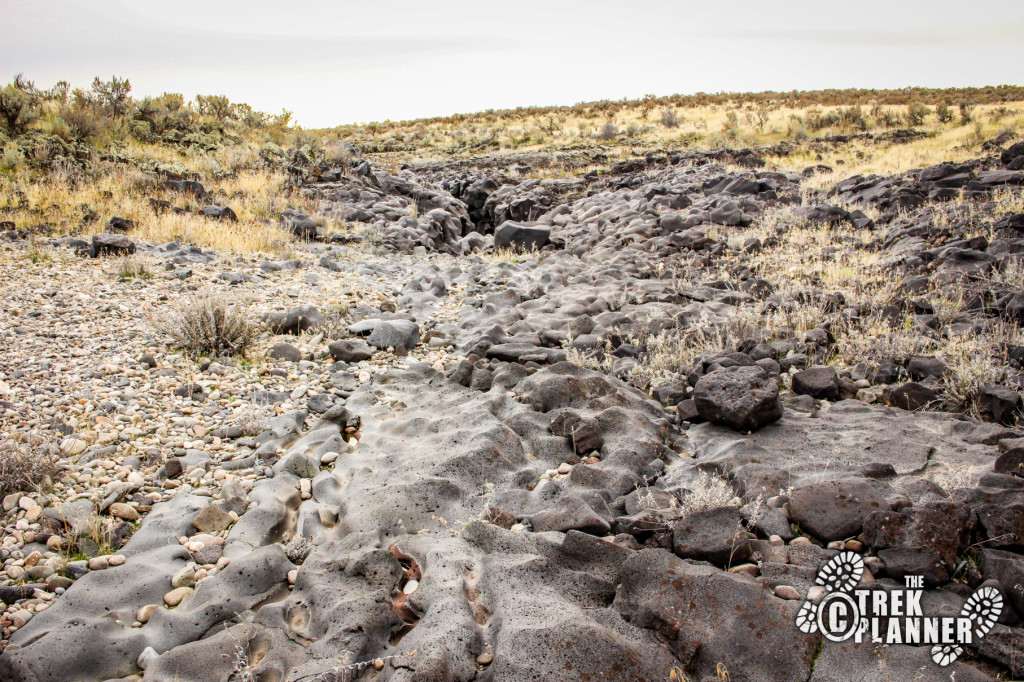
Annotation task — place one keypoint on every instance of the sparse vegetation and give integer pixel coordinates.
(707, 492)
(209, 324)
(131, 267)
(662, 264)
(28, 463)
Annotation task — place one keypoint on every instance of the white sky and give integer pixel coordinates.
(343, 62)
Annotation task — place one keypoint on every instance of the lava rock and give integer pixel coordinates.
(295, 321)
(912, 396)
(999, 404)
(212, 519)
(350, 351)
(743, 398)
(835, 510)
(397, 334)
(920, 540)
(219, 213)
(108, 244)
(521, 237)
(584, 434)
(120, 225)
(299, 224)
(926, 366)
(821, 383)
(715, 535)
(285, 351)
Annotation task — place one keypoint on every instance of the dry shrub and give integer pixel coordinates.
(131, 267)
(587, 359)
(975, 361)
(877, 338)
(210, 324)
(673, 351)
(27, 464)
(708, 492)
(254, 419)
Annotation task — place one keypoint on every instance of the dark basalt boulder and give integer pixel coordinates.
(295, 321)
(744, 398)
(219, 213)
(835, 510)
(821, 383)
(715, 535)
(521, 236)
(921, 540)
(108, 244)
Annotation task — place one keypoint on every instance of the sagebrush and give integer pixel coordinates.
(210, 325)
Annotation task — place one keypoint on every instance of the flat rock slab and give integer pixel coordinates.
(849, 438)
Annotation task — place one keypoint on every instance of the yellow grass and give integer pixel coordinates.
(641, 130)
(243, 236)
(256, 197)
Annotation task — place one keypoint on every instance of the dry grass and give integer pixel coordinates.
(944, 142)
(588, 359)
(673, 351)
(28, 463)
(243, 236)
(977, 360)
(209, 324)
(630, 127)
(83, 203)
(36, 252)
(507, 255)
(253, 419)
(830, 258)
(131, 267)
(876, 339)
(708, 492)
(821, 270)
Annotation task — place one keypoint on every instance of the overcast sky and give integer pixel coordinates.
(345, 62)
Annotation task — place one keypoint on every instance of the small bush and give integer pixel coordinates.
(254, 419)
(669, 119)
(916, 113)
(18, 105)
(998, 114)
(966, 113)
(976, 361)
(708, 492)
(27, 465)
(887, 118)
(38, 252)
(209, 324)
(11, 156)
(132, 267)
(817, 120)
(608, 131)
(944, 113)
(731, 127)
